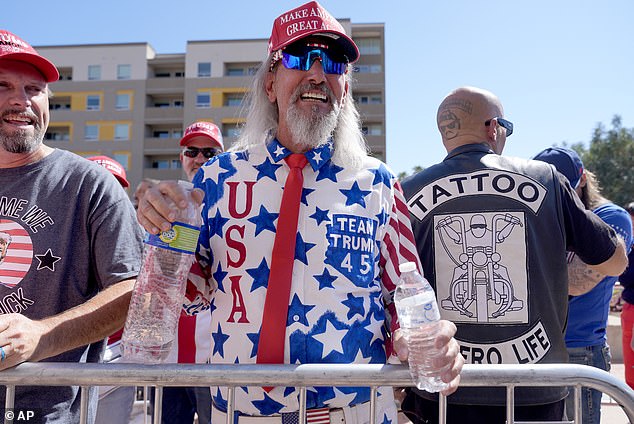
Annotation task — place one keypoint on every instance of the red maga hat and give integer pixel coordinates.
(204, 129)
(310, 19)
(113, 166)
(14, 48)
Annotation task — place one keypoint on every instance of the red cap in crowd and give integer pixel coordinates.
(310, 19)
(14, 48)
(113, 166)
(204, 129)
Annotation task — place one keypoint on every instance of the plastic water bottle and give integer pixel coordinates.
(157, 298)
(418, 315)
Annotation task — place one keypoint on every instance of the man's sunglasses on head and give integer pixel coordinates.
(503, 123)
(208, 152)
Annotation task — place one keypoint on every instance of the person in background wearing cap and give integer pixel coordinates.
(352, 232)
(586, 338)
(115, 403)
(627, 314)
(76, 246)
(506, 292)
(201, 142)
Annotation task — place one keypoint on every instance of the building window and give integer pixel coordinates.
(59, 103)
(241, 69)
(368, 69)
(94, 72)
(166, 163)
(233, 99)
(204, 69)
(161, 134)
(368, 46)
(122, 132)
(231, 130)
(91, 132)
(372, 129)
(123, 159)
(161, 164)
(57, 135)
(93, 102)
(203, 100)
(179, 103)
(122, 101)
(124, 72)
(372, 99)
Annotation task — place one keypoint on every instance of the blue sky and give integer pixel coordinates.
(559, 67)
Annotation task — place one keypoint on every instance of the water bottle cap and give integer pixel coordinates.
(407, 267)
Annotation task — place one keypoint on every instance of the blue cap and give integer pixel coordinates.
(566, 161)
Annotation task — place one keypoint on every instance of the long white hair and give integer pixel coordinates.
(262, 119)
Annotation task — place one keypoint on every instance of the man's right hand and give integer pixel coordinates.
(159, 205)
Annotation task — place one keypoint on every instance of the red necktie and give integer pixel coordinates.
(273, 332)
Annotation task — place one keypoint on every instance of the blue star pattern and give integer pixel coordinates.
(267, 169)
(320, 216)
(382, 175)
(305, 193)
(325, 279)
(297, 312)
(355, 195)
(260, 275)
(255, 339)
(219, 277)
(382, 217)
(302, 248)
(348, 228)
(216, 225)
(219, 341)
(329, 172)
(264, 220)
(267, 406)
(355, 305)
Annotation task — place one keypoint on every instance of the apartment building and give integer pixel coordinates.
(131, 103)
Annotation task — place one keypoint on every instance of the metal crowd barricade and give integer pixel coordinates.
(302, 376)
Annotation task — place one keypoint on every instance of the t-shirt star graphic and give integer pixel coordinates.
(47, 260)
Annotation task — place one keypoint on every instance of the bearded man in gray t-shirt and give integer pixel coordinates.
(75, 247)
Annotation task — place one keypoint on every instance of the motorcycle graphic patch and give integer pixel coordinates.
(480, 261)
(351, 249)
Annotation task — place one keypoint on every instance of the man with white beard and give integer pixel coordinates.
(326, 270)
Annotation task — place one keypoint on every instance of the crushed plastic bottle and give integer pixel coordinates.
(157, 298)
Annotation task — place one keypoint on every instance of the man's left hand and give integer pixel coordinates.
(449, 359)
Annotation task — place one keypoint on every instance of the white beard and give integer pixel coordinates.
(313, 130)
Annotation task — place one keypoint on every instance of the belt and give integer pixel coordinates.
(317, 416)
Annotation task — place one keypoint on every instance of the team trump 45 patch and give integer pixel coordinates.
(352, 247)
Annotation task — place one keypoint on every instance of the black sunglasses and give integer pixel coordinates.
(208, 152)
(504, 123)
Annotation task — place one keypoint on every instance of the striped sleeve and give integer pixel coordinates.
(397, 247)
(198, 289)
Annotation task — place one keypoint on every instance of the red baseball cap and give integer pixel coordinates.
(310, 19)
(14, 48)
(205, 129)
(113, 166)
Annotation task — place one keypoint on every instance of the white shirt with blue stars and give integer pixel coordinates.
(353, 232)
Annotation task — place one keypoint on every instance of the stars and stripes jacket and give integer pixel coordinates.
(353, 232)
